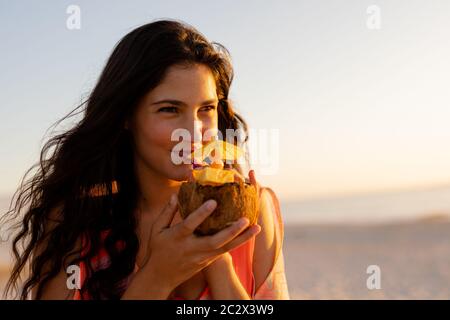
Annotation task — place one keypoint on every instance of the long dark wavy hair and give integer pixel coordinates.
(95, 152)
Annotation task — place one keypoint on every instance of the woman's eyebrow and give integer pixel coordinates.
(183, 104)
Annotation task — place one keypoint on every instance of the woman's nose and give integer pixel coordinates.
(199, 129)
(195, 128)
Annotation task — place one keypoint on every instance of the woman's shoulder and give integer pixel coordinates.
(269, 206)
(268, 192)
(268, 242)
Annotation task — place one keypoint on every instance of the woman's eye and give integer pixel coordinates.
(208, 108)
(168, 109)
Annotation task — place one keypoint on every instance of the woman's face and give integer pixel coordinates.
(186, 99)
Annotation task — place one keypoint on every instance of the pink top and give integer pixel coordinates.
(274, 286)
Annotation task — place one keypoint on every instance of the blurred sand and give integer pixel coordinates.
(330, 262)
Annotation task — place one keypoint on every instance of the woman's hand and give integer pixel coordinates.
(226, 258)
(251, 179)
(219, 273)
(176, 254)
(223, 262)
(223, 282)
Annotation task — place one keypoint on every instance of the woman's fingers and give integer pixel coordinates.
(224, 236)
(191, 222)
(166, 216)
(240, 239)
(210, 249)
(176, 219)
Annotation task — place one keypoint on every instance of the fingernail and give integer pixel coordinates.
(210, 204)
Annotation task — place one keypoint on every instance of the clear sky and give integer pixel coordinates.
(357, 109)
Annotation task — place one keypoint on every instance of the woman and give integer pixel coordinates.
(104, 199)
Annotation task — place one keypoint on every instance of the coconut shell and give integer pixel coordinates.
(234, 200)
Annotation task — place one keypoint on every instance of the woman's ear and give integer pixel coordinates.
(126, 125)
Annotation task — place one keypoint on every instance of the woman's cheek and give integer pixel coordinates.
(159, 137)
(149, 138)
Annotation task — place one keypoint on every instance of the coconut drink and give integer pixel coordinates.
(235, 197)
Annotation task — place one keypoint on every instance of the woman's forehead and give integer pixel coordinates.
(191, 84)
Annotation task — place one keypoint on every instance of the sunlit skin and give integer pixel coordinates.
(152, 126)
(186, 94)
(171, 259)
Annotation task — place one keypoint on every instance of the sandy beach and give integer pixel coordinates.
(330, 262)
